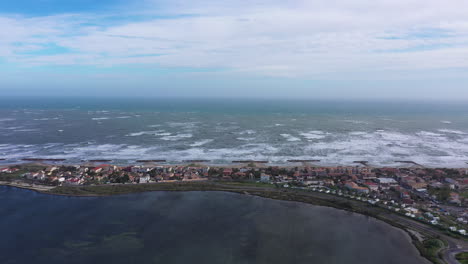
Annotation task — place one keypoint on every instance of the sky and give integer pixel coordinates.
(364, 49)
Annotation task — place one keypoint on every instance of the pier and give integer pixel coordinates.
(363, 162)
(194, 161)
(148, 161)
(409, 162)
(300, 161)
(249, 161)
(98, 160)
(41, 159)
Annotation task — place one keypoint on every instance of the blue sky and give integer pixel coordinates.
(53, 7)
(226, 48)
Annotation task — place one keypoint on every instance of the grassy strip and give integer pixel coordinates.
(462, 257)
(107, 190)
(430, 249)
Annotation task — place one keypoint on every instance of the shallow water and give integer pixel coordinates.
(190, 227)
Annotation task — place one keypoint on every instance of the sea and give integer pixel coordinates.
(190, 227)
(433, 134)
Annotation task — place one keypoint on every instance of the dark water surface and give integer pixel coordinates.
(190, 227)
(335, 132)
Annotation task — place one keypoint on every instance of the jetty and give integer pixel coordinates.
(363, 162)
(300, 161)
(149, 161)
(409, 162)
(97, 160)
(195, 161)
(41, 159)
(249, 161)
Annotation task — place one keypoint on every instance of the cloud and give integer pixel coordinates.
(295, 39)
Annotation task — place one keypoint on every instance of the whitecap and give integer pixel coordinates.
(452, 131)
(201, 142)
(291, 138)
(245, 139)
(26, 130)
(428, 134)
(46, 119)
(13, 128)
(99, 118)
(358, 133)
(356, 122)
(247, 132)
(314, 134)
(162, 134)
(176, 137)
(155, 133)
(446, 122)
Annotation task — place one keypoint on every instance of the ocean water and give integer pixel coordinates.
(190, 227)
(222, 130)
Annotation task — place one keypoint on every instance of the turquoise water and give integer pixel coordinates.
(190, 227)
(222, 130)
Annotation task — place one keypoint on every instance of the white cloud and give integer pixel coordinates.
(312, 39)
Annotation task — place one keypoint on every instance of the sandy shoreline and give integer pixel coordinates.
(33, 187)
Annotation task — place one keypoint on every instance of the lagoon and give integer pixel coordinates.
(190, 227)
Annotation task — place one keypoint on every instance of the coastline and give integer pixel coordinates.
(415, 230)
(32, 187)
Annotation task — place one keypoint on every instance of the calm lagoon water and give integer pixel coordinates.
(190, 227)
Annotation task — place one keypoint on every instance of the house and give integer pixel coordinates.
(99, 168)
(227, 172)
(35, 175)
(264, 177)
(386, 183)
(8, 170)
(144, 179)
(463, 183)
(73, 181)
(50, 170)
(353, 186)
(405, 195)
(454, 198)
(139, 169)
(372, 186)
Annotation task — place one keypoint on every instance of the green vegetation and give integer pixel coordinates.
(462, 257)
(442, 194)
(430, 249)
(109, 189)
(22, 169)
(11, 176)
(465, 194)
(250, 183)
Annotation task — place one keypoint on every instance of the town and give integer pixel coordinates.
(435, 196)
